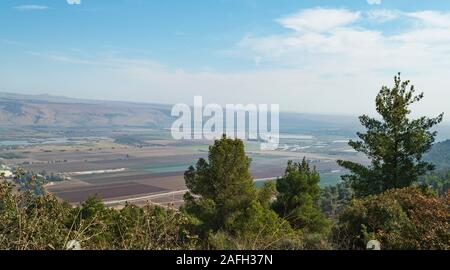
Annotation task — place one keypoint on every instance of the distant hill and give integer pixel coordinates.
(440, 155)
(56, 111)
(45, 110)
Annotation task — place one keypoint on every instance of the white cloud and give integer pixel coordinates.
(383, 15)
(432, 18)
(106, 60)
(74, 2)
(374, 2)
(31, 7)
(319, 19)
(341, 38)
(353, 51)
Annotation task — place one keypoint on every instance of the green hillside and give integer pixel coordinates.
(440, 155)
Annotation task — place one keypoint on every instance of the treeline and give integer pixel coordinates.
(386, 201)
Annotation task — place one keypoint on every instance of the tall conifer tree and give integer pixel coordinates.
(394, 144)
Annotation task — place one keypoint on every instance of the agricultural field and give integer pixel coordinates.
(141, 165)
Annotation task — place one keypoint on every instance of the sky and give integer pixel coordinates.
(308, 56)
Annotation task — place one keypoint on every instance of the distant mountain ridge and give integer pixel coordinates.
(45, 110)
(440, 155)
(57, 111)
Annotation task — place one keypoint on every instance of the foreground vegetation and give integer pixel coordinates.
(40, 222)
(393, 201)
(408, 218)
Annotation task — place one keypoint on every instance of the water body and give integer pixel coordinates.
(326, 179)
(14, 143)
(61, 140)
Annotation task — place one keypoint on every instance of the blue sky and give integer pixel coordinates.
(314, 56)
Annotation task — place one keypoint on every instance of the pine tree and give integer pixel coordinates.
(298, 196)
(225, 204)
(395, 144)
(223, 183)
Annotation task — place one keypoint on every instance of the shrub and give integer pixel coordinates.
(408, 218)
(29, 222)
(41, 222)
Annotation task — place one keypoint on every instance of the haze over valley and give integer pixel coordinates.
(120, 150)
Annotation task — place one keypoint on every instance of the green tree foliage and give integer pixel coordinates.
(438, 181)
(395, 144)
(41, 222)
(267, 193)
(29, 222)
(223, 200)
(334, 198)
(222, 187)
(258, 229)
(93, 219)
(298, 196)
(28, 181)
(408, 218)
(151, 228)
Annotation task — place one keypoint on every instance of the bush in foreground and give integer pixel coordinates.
(408, 218)
(30, 222)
